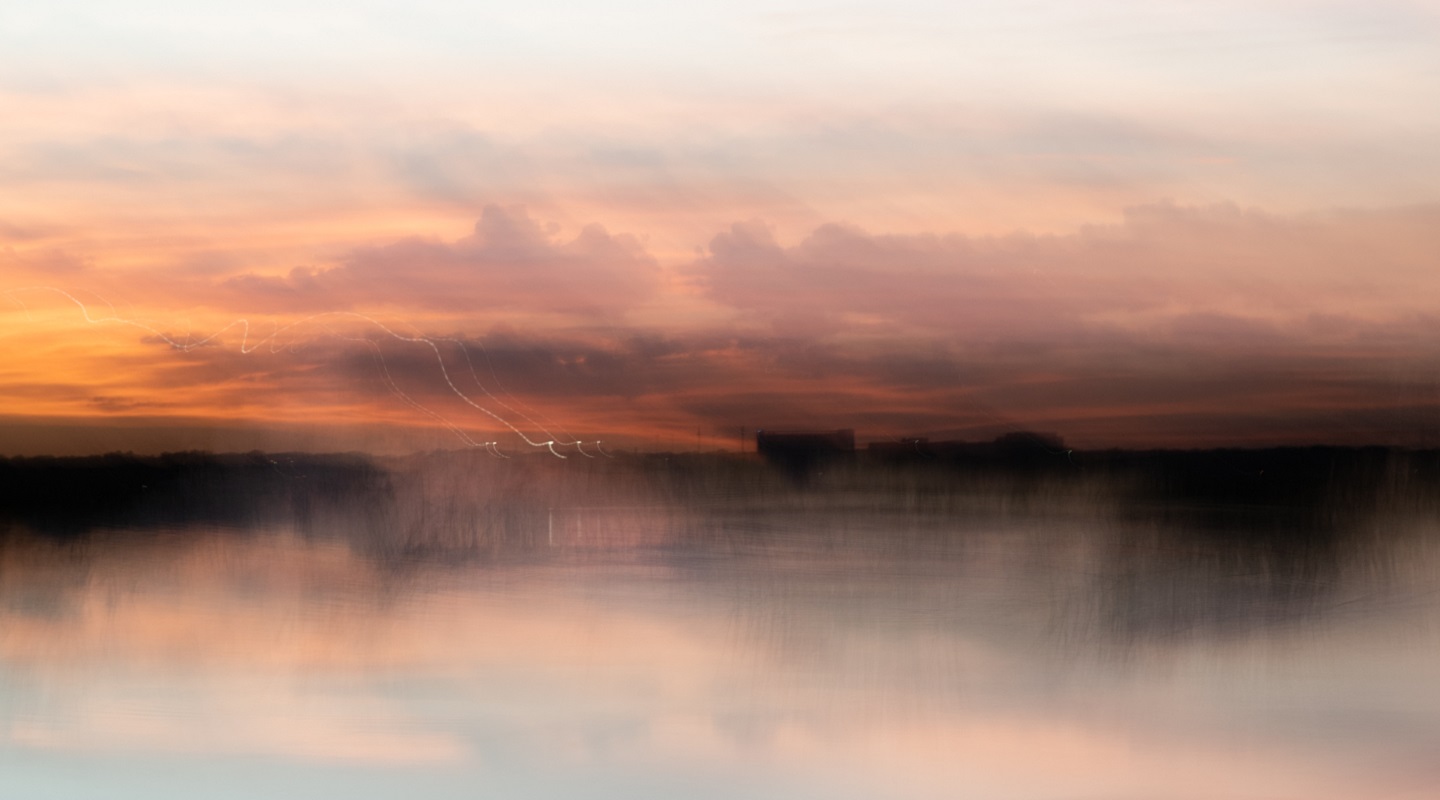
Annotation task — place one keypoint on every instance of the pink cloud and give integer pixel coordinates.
(509, 262)
(1160, 265)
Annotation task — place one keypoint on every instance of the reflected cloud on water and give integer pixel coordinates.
(803, 645)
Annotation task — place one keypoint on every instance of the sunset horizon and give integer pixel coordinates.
(742, 400)
(380, 228)
(941, 336)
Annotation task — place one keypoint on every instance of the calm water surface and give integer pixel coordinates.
(883, 656)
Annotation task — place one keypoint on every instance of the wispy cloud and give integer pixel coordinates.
(510, 261)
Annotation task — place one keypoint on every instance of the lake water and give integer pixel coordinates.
(787, 655)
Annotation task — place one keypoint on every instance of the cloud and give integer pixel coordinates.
(510, 262)
(12, 232)
(41, 262)
(1174, 326)
(1177, 325)
(109, 404)
(1161, 266)
(1216, 379)
(1196, 379)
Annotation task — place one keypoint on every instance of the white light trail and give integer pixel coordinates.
(273, 339)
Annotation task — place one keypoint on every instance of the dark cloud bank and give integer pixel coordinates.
(1176, 326)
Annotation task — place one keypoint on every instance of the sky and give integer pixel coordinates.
(392, 226)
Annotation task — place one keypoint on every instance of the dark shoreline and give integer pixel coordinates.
(1319, 487)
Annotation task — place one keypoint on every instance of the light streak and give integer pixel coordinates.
(398, 392)
(273, 342)
(544, 428)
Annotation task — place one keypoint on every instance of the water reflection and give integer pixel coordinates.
(654, 650)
